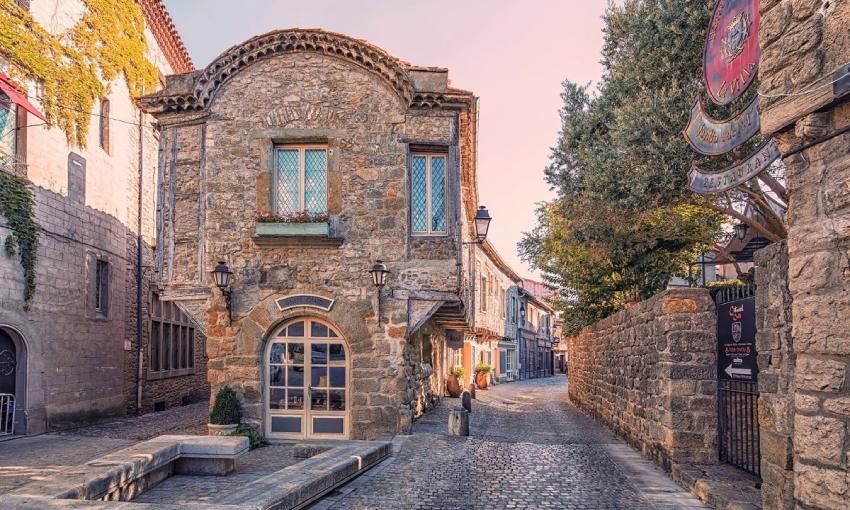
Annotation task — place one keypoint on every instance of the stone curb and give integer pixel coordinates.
(720, 493)
(289, 488)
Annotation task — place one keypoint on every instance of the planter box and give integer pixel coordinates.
(292, 229)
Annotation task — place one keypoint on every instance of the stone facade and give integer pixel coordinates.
(75, 364)
(369, 112)
(649, 373)
(803, 45)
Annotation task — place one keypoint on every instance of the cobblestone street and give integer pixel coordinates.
(528, 448)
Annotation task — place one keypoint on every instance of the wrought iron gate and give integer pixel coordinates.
(737, 374)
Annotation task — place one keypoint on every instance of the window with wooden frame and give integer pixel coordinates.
(172, 340)
(104, 125)
(300, 179)
(428, 193)
(483, 293)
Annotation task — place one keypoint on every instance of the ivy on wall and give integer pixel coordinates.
(16, 205)
(107, 41)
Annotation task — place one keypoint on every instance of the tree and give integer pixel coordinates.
(624, 221)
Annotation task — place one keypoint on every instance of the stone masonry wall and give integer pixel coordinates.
(776, 376)
(649, 373)
(819, 283)
(804, 42)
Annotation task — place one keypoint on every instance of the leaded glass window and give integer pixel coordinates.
(428, 194)
(301, 179)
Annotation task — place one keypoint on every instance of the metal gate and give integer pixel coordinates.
(737, 374)
(7, 414)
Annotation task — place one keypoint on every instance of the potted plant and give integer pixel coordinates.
(226, 413)
(454, 382)
(302, 223)
(482, 375)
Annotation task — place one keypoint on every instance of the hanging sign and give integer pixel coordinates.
(736, 339)
(714, 182)
(712, 137)
(732, 51)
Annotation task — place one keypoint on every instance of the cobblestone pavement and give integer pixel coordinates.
(25, 459)
(528, 449)
(255, 464)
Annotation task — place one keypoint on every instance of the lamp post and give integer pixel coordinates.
(741, 230)
(379, 273)
(223, 276)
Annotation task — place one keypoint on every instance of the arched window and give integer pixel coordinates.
(104, 125)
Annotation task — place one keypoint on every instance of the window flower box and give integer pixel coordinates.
(293, 229)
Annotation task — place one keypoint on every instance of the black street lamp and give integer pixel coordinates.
(379, 273)
(741, 230)
(482, 224)
(223, 276)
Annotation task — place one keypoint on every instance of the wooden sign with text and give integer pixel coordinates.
(732, 51)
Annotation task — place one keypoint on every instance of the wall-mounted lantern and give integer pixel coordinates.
(223, 276)
(482, 224)
(379, 274)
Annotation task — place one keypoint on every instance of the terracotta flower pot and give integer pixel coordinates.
(221, 430)
(482, 379)
(453, 387)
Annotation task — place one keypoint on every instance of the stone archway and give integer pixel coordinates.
(13, 378)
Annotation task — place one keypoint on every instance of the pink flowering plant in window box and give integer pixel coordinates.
(293, 217)
(301, 223)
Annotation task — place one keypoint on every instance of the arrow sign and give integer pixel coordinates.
(746, 372)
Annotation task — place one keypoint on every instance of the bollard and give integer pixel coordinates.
(472, 389)
(466, 400)
(458, 422)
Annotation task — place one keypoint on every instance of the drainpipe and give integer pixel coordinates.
(139, 350)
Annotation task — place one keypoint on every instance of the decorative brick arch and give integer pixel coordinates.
(238, 57)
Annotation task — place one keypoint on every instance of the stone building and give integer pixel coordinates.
(378, 157)
(492, 340)
(804, 348)
(71, 354)
(535, 335)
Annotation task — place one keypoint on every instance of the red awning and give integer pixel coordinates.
(17, 97)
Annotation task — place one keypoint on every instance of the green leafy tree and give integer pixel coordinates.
(624, 221)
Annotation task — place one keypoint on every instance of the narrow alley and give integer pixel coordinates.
(528, 448)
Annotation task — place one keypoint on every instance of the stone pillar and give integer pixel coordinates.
(458, 422)
(804, 43)
(776, 376)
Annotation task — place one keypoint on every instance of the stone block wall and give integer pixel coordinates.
(649, 373)
(804, 42)
(776, 376)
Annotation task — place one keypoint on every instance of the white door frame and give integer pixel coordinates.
(306, 414)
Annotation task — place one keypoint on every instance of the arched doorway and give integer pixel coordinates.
(307, 381)
(10, 385)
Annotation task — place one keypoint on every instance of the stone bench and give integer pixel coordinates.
(122, 475)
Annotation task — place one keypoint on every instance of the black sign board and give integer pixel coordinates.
(736, 340)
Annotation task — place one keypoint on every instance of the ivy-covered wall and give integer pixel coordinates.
(72, 68)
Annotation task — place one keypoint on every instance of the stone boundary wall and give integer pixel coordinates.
(649, 374)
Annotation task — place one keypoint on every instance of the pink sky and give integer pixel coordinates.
(512, 54)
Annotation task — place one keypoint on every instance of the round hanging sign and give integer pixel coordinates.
(732, 52)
